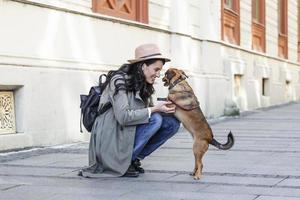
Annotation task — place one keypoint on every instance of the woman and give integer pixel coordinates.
(133, 128)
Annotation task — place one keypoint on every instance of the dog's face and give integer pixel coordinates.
(172, 75)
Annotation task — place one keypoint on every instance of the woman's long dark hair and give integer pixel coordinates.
(134, 81)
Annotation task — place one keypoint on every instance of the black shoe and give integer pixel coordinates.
(80, 173)
(131, 172)
(140, 170)
(137, 162)
(137, 165)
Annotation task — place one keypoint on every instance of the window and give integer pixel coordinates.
(231, 21)
(258, 25)
(265, 87)
(136, 10)
(237, 85)
(7, 112)
(282, 26)
(229, 4)
(299, 30)
(288, 90)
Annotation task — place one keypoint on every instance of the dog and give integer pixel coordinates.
(189, 113)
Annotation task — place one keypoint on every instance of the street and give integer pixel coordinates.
(264, 164)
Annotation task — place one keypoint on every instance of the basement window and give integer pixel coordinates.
(265, 87)
(237, 85)
(7, 112)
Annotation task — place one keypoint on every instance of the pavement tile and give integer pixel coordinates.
(50, 192)
(277, 198)
(31, 171)
(52, 159)
(230, 180)
(253, 190)
(177, 195)
(4, 187)
(291, 182)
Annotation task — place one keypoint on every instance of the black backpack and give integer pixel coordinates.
(89, 105)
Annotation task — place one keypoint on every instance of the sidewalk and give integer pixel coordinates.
(264, 164)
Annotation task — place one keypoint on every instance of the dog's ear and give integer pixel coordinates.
(170, 74)
(183, 74)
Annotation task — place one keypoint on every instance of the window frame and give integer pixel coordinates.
(283, 29)
(139, 12)
(230, 22)
(298, 18)
(234, 7)
(265, 89)
(259, 26)
(237, 85)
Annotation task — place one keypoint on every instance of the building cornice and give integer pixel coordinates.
(152, 28)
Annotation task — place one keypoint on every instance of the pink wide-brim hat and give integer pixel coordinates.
(147, 52)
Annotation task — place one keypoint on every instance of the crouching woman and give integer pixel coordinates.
(133, 127)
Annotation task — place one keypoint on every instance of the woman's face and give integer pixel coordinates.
(151, 72)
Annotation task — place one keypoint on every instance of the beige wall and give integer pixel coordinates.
(52, 51)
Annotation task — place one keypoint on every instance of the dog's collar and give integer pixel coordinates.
(176, 82)
(193, 108)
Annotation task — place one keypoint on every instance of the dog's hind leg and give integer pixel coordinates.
(195, 167)
(199, 148)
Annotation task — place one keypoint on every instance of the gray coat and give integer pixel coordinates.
(112, 136)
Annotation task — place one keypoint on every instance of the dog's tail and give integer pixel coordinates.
(227, 145)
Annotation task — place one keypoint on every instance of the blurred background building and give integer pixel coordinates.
(239, 54)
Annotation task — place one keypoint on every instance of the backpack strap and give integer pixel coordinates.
(105, 108)
(102, 83)
(81, 123)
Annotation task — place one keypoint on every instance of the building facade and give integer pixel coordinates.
(239, 54)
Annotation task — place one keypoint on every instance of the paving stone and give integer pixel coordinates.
(231, 180)
(291, 182)
(31, 171)
(276, 198)
(53, 192)
(253, 190)
(4, 187)
(52, 159)
(177, 195)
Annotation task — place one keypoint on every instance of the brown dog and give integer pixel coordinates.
(189, 113)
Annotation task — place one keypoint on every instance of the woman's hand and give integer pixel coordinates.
(164, 106)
